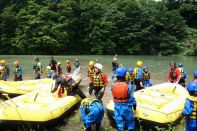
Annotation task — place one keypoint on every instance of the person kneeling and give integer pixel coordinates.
(92, 112)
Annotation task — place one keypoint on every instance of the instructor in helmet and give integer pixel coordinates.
(99, 81)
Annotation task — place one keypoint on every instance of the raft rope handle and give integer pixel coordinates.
(6, 95)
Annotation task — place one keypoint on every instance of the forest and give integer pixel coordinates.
(98, 27)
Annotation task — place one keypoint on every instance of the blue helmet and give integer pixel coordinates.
(192, 86)
(121, 71)
(130, 70)
(195, 73)
(180, 65)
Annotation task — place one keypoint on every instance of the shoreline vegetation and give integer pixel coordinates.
(98, 27)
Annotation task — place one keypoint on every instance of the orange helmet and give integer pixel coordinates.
(16, 62)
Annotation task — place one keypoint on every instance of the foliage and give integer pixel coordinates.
(96, 27)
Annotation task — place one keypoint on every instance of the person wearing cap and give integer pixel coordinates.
(65, 82)
(124, 101)
(37, 67)
(99, 81)
(92, 113)
(68, 66)
(76, 64)
(5, 71)
(59, 68)
(52, 63)
(49, 72)
(138, 76)
(146, 77)
(17, 71)
(190, 108)
(183, 74)
(91, 71)
(115, 65)
(173, 73)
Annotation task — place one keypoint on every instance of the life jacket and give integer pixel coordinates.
(91, 72)
(193, 114)
(146, 75)
(87, 104)
(120, 92)
(181, 69)
(136, 72)
(16, 70)
(129, 77)
(173, 75)
(97, 80)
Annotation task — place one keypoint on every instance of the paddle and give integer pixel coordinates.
(176, 84)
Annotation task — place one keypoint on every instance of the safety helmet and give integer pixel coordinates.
(192, 86)
(139, 63)
(55, 76)
(76, 59)
(48, 67)
(16, 62)
(59, 63)
(1, 68)
(173, 63)
(130, 70)
(91, 63)
(180, 65)
(3, 62)
(195, 73)
(99, 66)
(121, 71)
(67, 61)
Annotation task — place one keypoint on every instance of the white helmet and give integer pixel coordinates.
(98, 65)
(48, 67)
(1, 68)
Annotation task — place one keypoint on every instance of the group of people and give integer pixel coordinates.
(5, 71)
(53, 67)
(140, 76)
(127, 81)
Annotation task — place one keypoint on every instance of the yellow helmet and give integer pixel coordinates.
(3, 62)
(91, 63)
(59, 63)
(139, 63)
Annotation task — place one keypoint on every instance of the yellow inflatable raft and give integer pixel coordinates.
(37, 108)
(158, 105)
(15, 88)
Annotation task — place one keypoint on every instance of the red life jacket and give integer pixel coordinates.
(120, 92)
